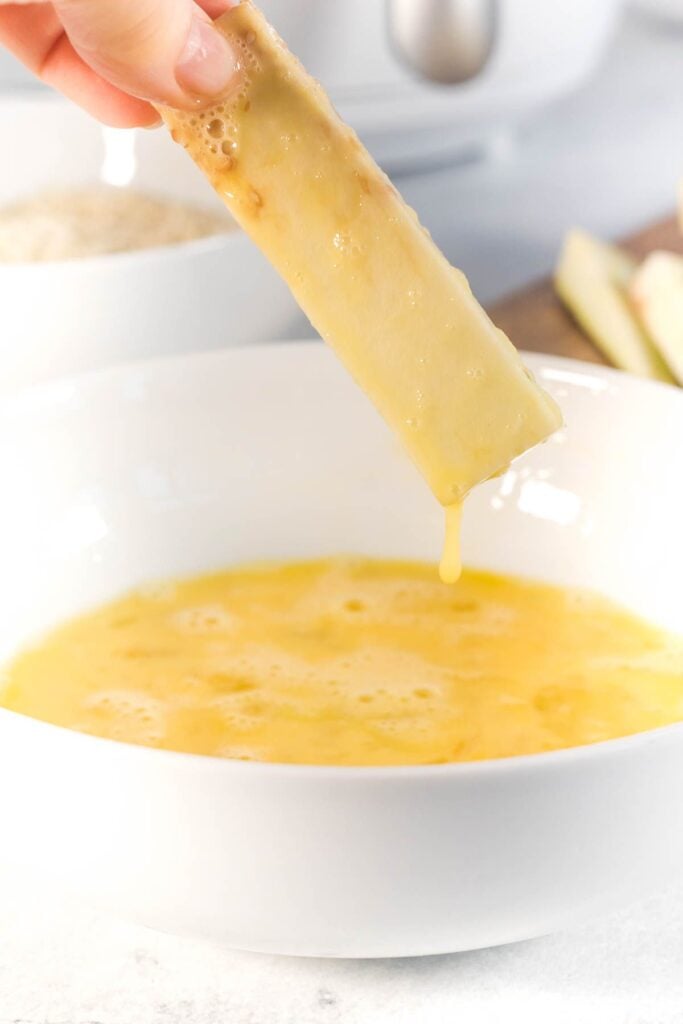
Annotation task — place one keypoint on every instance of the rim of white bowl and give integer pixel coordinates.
(204, 245)
(54, 392)
(190, 249)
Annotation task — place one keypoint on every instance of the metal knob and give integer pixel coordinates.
(445, 41)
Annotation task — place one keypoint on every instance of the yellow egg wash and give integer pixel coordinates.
(353, 662)
(450, 566)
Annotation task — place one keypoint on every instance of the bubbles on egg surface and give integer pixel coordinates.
(337, 594)
(202, 619)
(343, 243)
(222, 120)
(243, 45)
(340, 240)
(393, 725)
(288, 139)
(484, 619)
(239, 752)
(239, 720)
(128, 715)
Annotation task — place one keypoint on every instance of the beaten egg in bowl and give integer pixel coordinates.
(353, 662)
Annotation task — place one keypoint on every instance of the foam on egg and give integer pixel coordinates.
(353, 661)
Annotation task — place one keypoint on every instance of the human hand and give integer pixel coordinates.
(113, 57)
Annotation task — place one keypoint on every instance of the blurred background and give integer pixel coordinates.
(504, 122)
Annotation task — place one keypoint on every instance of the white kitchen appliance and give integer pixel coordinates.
(378, 59)
(359, 50)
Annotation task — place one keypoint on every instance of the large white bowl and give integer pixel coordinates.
(66, 317)
(195, 463)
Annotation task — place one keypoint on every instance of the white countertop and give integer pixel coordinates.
(608, 158)
(61, 964)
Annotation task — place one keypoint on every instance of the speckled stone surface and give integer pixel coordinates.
(62, 964)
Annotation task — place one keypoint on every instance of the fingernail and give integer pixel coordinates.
(207, 62)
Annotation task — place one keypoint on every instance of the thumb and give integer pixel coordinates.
(166, 51)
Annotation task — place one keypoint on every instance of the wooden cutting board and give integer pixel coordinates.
(535, 320)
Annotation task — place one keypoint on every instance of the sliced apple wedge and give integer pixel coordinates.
(592, 279)
(657, 294)
(370, 279)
